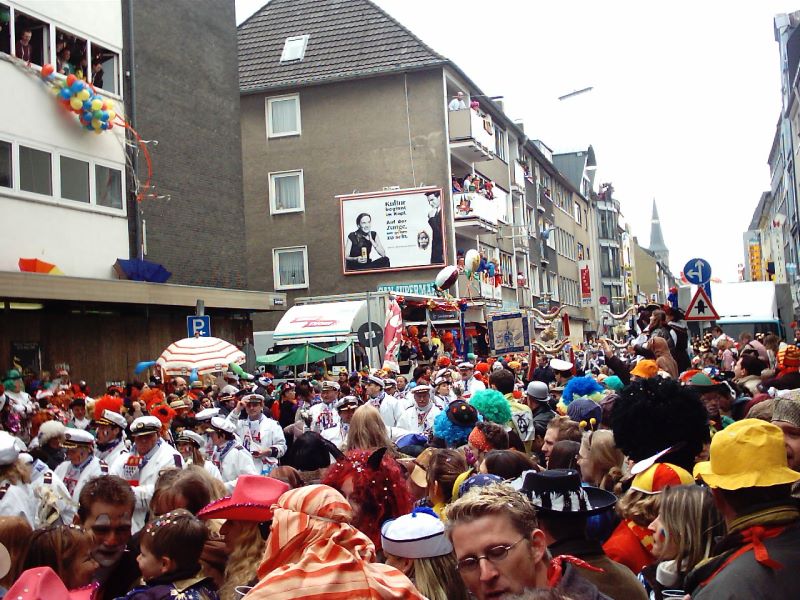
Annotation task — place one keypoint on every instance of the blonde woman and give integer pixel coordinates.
(599, 459)
(685, 530)
(416, 545)
(368, 431)
(247, 513)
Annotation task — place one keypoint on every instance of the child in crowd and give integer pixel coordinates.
(169, 556)
(67, 549)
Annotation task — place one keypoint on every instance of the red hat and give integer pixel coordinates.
(482, 367)
(42, 583)
(252, 500)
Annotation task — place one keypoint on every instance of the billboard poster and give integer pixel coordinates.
(392, 230)
(585, 275)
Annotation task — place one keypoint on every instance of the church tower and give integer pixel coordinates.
(657, 245)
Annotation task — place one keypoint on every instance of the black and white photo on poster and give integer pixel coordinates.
(399, 229)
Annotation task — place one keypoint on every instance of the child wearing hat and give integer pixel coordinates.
(169, 559)
(416, 544)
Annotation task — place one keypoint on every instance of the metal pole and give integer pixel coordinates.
(369, 328)
(200, 308)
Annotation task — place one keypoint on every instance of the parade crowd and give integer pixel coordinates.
(658, 466)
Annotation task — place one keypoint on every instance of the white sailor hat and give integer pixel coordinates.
(440, 380)
(9, 452)
(222, 424)
(77, 437)
(560, 365)
(390, 382)
(187, 435)
(109, 417)
(145, 425)
(466, 365)
(206, 414)
(253, 398)
(421, 388)
(330, 385)
(417, 535)
(374, 379)
(228, 392)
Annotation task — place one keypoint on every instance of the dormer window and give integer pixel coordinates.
(294, 48)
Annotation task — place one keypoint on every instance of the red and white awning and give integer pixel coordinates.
(204, 354)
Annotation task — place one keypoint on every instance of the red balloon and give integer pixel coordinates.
(47, 70)
(71, 79)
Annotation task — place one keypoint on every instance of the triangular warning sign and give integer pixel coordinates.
(700, 308)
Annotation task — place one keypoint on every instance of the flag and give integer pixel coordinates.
(392, 335)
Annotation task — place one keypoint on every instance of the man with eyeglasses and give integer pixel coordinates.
(500, 549)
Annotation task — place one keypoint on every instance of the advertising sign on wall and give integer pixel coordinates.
(392, 230)
(585, 275)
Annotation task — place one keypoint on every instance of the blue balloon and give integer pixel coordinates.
(77, 86)
(104, 115)
(104, 126)
(87, 116)
(65, 93)
(87, 106)
(145, 364)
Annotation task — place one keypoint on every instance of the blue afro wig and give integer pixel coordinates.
(492, 405)
(453, 435)
(580, 386)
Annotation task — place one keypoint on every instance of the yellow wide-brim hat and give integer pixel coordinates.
(748, 453)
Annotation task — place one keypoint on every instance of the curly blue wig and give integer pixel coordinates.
(492, 405)
(453, 435)
(580, 386)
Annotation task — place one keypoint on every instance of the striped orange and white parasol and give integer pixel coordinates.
(201, 354)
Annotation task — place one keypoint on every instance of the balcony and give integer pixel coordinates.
(479, 289)
(518, 180)
(476, 213)
(471, 135)
(524, 297)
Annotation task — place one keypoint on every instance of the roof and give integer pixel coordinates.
(348, 39)
(762, 201)
(656, 237)
(573, 165)
(37, 287)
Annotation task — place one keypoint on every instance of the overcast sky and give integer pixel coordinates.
(684, 107)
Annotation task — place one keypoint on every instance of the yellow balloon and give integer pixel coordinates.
(111, 115)
(109, 104)
(97, 104)
(97, 123)
(76, 103)
(84, 95)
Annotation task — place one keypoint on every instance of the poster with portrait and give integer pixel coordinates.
(392, 230)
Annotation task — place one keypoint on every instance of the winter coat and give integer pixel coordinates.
(664, 359)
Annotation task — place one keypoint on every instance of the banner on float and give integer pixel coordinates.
(392, 230)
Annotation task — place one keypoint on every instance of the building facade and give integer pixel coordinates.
(346, 108)
(68, 196)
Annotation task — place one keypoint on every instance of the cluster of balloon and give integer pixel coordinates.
(94, 112)
(472, 261)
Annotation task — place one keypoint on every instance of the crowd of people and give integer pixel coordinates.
(656, 468)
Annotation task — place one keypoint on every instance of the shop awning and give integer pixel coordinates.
(299, 355)
(339, 347)
(325, 319)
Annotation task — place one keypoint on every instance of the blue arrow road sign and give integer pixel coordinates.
(697, 271)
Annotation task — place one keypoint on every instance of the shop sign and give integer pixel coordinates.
(422, 288)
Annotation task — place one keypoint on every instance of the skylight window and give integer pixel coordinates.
(294, 48)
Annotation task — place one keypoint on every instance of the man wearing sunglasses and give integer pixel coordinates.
(500, 549)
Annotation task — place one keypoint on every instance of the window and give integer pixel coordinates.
(580, 252)
(31, 39)
(294, 48)
(500, 144)
(108, 186)
(283, 116)
(577, 213)
(534, 280)
(74, 179)
(5, 31)
(71, 55)
(553, 287)
(6, 173)
(286, 192)
(289, 267)
(35, 171)
(507, 269)
(104, 69)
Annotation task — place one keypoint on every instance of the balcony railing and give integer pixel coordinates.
(478, 288)
(472, 205)
(471, 135)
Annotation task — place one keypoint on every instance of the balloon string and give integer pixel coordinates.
(145, 152)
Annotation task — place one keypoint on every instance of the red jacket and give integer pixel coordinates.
(626, 547)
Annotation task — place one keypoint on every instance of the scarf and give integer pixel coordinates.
(221, 453)
(422, 413)
(745, 534)
(376, 401)
(643, 534)
(314, 552)
(556, 568)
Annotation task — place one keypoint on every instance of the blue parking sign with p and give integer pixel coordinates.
(198, 326)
